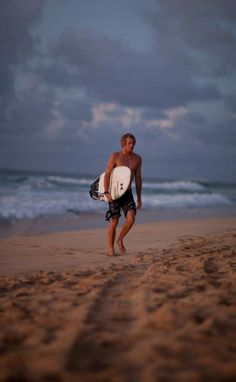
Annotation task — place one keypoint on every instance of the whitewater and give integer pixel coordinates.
(26, 195)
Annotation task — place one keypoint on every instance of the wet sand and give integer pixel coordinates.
(165, 311)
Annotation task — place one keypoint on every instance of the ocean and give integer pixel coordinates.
(28, 197)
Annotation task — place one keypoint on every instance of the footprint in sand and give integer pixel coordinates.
(49, 337)
(224, 301)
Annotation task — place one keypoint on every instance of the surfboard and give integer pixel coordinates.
(119, 183)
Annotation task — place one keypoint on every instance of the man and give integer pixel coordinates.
(125, 157)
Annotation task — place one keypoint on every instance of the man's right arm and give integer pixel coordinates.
(110, 165)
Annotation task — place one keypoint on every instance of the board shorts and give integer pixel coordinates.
(125, 202)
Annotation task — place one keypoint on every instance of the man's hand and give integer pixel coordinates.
(139, 204)
(109, 198)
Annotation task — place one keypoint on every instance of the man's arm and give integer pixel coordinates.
(138, 183)
(110, 165)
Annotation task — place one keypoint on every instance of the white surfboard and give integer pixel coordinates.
(119, 183)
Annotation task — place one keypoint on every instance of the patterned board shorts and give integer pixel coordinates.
(126, 202)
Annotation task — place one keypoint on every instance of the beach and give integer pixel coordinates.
(164, 311)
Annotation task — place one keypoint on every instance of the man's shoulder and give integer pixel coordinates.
(115, 154)
(137, 157)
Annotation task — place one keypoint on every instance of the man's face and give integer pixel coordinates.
(129, 145)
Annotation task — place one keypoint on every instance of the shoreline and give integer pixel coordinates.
(93, 220)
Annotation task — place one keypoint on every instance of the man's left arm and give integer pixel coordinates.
(138, 183)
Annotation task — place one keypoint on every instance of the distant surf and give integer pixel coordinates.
(31, 195)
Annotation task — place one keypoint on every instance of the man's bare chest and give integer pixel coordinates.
(129, 161)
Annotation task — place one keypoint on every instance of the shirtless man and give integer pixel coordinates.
(125, 157)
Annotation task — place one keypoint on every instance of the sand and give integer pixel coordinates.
(165, 311)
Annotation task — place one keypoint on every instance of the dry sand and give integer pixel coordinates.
(165, 311)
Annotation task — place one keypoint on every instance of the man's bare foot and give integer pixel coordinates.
(111, 253)
(121, 245)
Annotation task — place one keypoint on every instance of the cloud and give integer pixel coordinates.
(200, 34)
(230, 103)
(26, 114)
(171, 116)
(111, 115)
(194, 127)
(114, 72)
(16, 42)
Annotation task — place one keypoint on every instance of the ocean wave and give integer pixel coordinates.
(184, 200)
(174, 186)
(4, 179)
(69, 181)
(34, 195)
(41, 204)
(37, 182)
(32, 205)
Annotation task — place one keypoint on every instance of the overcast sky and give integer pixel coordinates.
(75, 75)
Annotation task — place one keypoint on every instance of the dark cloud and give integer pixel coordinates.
(16, 46)
(116, 73)
(200, 34)
(16, 42)
(52, 120)
(194, 127)
(230, 103)
(27, 114)
(77, 111)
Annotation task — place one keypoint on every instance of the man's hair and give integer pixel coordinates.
(125, 136)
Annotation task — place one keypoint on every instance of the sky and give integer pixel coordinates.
(76, 75)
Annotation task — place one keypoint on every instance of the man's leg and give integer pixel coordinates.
(111, 236)
(130, 219)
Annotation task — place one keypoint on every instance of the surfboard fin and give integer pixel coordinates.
(94, 189)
